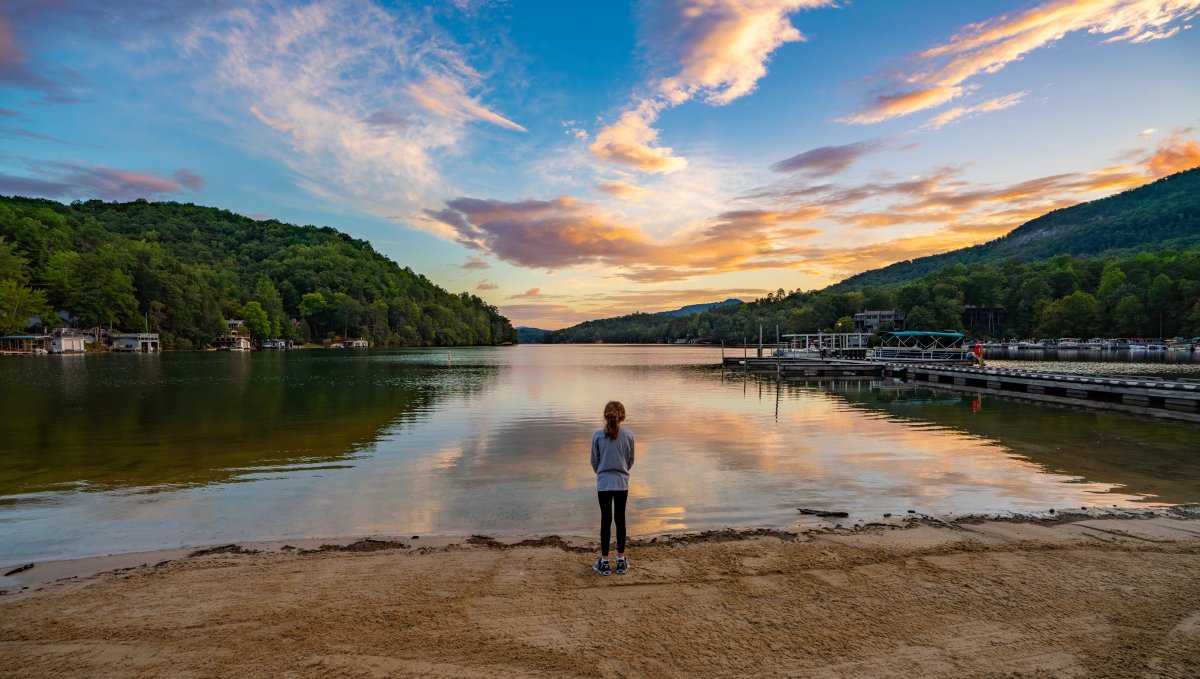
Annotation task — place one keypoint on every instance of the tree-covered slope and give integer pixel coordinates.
(1163, 214)
(181, 270)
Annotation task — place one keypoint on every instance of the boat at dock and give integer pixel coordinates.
(922, 346)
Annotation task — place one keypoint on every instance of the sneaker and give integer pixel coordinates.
(622, 565)
(601, 566)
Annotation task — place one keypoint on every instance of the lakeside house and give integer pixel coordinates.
(140, 342)
(870, 322)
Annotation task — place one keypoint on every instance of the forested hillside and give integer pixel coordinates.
(1150, 294)
(181, 270)
(1164, 214)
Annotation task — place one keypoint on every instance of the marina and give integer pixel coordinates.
(942, 359)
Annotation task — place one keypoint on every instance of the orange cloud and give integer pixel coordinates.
(1174, 154)
(620, 189)
(942, 72)
(631, 142)
(566, 232)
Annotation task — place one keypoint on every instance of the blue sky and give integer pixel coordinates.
(568, 161)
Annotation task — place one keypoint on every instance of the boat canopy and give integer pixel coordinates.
(922, 333)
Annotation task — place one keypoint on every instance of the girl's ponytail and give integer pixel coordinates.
(614, 415)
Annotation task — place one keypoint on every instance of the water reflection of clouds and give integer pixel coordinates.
(498, 443)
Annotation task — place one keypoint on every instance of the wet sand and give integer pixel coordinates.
(1074, 596)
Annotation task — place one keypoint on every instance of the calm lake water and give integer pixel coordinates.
(114, 453)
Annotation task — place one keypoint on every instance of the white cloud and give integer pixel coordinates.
(957, 112)
(360, 102)
(716, 50)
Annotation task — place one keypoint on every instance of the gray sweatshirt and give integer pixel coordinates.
(611, 459)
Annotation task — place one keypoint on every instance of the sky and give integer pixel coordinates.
(575, 160)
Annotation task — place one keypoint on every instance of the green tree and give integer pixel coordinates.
(1075, 315)
(1161, 296)
(984, 287)
(268, 297)
(1129, 316)
(1112, 285)
(18, 303)
(13, 267)
(919, 318)
(102, 293)
(312, 310)
(345, 311)
(256, 319)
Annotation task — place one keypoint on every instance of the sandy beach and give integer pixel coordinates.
(1068, 596)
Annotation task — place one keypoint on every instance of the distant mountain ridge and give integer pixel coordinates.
(693, 309)
(617, 328)
(528, 335)
(1162, 214)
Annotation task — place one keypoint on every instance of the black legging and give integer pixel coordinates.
(608, 500)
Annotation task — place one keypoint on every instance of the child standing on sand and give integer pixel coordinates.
(612, 456)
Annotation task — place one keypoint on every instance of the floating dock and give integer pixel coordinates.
(1153, 396)
(1175, 399)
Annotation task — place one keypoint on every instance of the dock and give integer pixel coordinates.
(1175, 399)
(1152, 396)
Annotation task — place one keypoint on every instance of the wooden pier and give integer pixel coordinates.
(1175, 399)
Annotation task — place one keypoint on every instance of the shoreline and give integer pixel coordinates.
(34, 574)
(1064, 595)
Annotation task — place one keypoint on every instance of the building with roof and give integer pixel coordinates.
(874, 321)
(142, 342)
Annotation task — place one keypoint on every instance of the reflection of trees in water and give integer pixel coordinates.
(137, 421)
(1146, 456)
